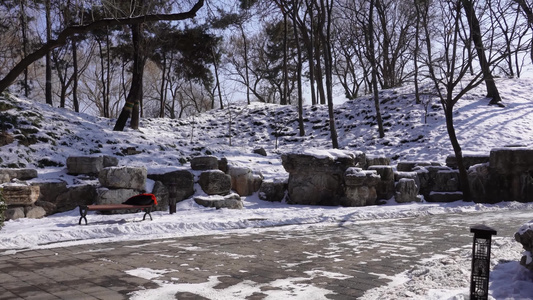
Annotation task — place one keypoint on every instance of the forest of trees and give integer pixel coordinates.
(127, 59)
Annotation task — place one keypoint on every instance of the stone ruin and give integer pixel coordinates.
(333, 177)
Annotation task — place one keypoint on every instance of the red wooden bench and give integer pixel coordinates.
(84, 209)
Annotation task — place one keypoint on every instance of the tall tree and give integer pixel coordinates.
(48, 66)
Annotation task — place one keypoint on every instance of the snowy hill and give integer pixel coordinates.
(46, 136)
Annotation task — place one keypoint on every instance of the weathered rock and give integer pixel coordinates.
(20, 194)
(360, 187)
(215, 182)
(203, 163)
(478, 181)
(6, 138)
(511, 160)
(385, 187)
(114, 196)
(260, 151)
(273, 190)
(377, 161)
(90, 165)
(75, 196)
(317, 179)
(406, 191)
(123, 178)
(446, 181)
(444, 197)
(223, 164)
(231, 201)
(180, 184)
(49, 190)
(49, 208)
(110, 161)
(244, 181)
(468, 160)
(34, 212)
(14, 213)
(525, 237)
(408, 166)
(7, 174)
(162, 194)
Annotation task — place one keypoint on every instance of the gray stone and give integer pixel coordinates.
(123, 178)
(75, 196)
(244, 181)
(408, 166)
(317, 179)
(385, 187)
(34, 212)
(468, 160)
(110, 161)
(203, 163)
(232, 201)
(444, 197)
(525, 237)
(162, 194)
(223, 164)
(49, 190)
(20, 194)
(115, 196)
(89, 165)
(49, 208)
(14, 213)
(360, 187)
(180, 184)
(273, 190)
(478, 181)
(215, 182)
(446, 181)
(8, 174)
(377, 161)
(511, 160)
(406, 191)
(261, 151)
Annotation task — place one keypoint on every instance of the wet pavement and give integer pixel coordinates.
(338, 261)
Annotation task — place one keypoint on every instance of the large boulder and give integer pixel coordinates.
(244, 181)
(7, 174)
(20, 194)
(123, 178)
(231, 201)
(360, 187)
(406, 191)
(179, 183)
(525, 237)
(273, 190)
(202, 163)
(162, 194)
(317, 177)
(215, 182)
(511, 160)
(408, 166)
(14, 213)
(34, 212)
(385, 187)
(75, 196)
(89, 165)
(469, 160)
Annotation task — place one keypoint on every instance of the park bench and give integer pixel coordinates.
(142, 202)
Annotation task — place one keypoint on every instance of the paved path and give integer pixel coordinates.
(340, 261)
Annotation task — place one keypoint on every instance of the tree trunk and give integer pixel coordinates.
(48, 67)
(75, 101)
(284, 98)
(475, 32)
(463, 175)
(298, 68)
(373, 62)
(24, 28)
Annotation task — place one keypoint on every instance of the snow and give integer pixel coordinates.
(166, 145)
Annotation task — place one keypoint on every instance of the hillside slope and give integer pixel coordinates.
(46, 136)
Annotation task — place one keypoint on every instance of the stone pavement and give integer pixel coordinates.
(343, 259)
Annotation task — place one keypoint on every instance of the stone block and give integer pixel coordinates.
(75, 196)
(444, 197)
(202, 163)
(406, 190)
(7, 174)
(34, 212)
(14, 213)
(162, 194)
(511, 160)
(273, 190)
(468, 160)
(110, 161)
(360, 187)
(89, 165)
(113, 196)
(215, 182)
(244, 181)
(232, 201)
(19, 194)
(123, 178)
(377, 161)
(49, 190)
(408, 166)
(385, 187)
(180, 184)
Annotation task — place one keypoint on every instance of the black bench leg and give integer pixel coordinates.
(83, 214)
(147, 211)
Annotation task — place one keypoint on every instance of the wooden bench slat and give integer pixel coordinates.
(101, 207)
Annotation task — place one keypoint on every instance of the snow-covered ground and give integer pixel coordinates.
(166, 144)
